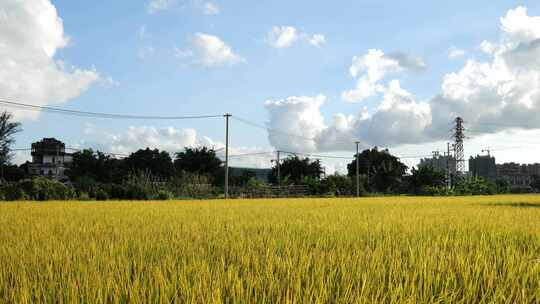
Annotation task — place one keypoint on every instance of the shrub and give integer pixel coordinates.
(437, 191)
(83, 196)
(101, 195)
(12, 192)
(43, 189)
(116, 191)
(164, 195)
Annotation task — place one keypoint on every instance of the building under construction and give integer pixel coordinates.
(439, 162)
(483, 166)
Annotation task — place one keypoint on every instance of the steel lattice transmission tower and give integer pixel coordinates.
(459, 153)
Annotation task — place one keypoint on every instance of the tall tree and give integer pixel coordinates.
(295, 169)
(158, 163)
(201, 160)
(423, 177)
(95, 166)
(383, 171)
(8, 129)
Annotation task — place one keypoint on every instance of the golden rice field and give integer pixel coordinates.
(390, 250)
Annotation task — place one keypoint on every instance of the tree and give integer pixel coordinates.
(13, 173)
(503, 186)
(296, 169)
(383, 170)
(155, 162)
(201, 161)
(475, 186)
(342, 185)
(198, 160)
(8, 128)
(95, 166)
(535, 183)
(423, 177)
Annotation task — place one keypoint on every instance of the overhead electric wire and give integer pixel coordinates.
(54, 110)
(250, 154)
(282, 133)
(316, 155)
(72, 149)
(270, 130)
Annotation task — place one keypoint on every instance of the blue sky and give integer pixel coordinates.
(147, 62)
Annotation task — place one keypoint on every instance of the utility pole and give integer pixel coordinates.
(227, 116)
(448, 175)
(278, 168)
(357, 170)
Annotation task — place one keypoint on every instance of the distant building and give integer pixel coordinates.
(518, 175)
(49, 158)
(483, 166)
(257, 173)
(440, 163)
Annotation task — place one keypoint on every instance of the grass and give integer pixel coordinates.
(391, 250)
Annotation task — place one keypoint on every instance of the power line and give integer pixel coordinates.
(250, 154)
(72, 149)
(270, 130)
(30, 107)
(317, 155)
(284, 133)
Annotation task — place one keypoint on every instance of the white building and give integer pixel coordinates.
(49, 158)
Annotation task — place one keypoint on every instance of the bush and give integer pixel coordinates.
(164, 195)
(101, 195)
(437, 191)
(12, 192)
(43, 189)
(83, 196)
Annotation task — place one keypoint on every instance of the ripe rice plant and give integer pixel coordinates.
(391, 250)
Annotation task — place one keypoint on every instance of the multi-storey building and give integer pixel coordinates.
(440, 163)
(49, 158)
(483, 166)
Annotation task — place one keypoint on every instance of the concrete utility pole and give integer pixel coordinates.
(227, 116)
(278, 168)
(357, 169)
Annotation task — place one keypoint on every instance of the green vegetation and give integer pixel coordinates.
(392, 250)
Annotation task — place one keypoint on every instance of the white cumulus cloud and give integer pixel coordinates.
(317, 40)
(282, 37)
(373, 67)
(210, 51)
(31, 32)
(497, 95)
(210, 8)
(154, 6)
(169, 139)
(454, 52)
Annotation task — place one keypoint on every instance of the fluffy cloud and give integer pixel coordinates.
(373, 67)
(170, 139)
(399, 119)
(31, 32)
(210, 8)
(493, 96)
(167, 138)
(317, 40)
(281, 37)
(299, 116)
(210, 51)
(454, 52)
(154, 6)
